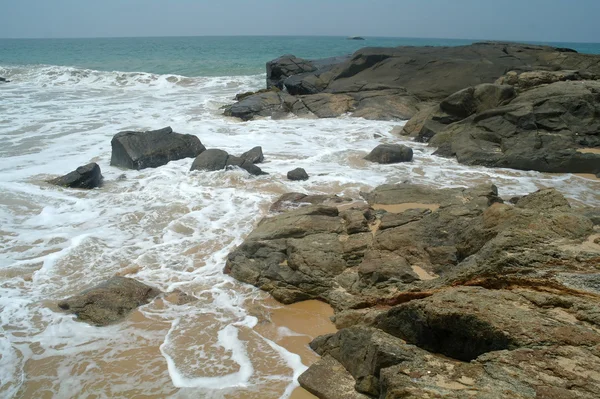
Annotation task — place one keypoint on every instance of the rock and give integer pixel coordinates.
(547, 128)
(255, 155)
(390, 153)
(449, 292)
(4, 80)
(477, 99)
(355, 38)
(151, 149)
(296, 200)
(285, 66)
(297, 174)
(88, 176)
(214, 159)
(110, 301)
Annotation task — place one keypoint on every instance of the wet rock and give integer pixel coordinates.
(88, 176)
(255, 155)
(215, 159)
(390, 153)
(4, 80)
(297, 174)
(296, 200)
(151, 149)
(110, 301)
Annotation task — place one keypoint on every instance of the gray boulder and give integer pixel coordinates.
(110, 301)
(285, 66)
(88, 176)
(297, 174)
(214, 159)
(390, 153)
(255, 155)
(154, 148)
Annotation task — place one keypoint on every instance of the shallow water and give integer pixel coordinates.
(170, 228)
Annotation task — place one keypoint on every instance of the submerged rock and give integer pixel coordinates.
(88, 176)
(390, 153)
(297, 174)
(216, 159)
(4, 80)
(109, 301)
(151, 149)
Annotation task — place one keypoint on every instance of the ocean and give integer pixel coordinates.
(169, 227)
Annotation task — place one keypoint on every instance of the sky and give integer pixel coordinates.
(532, 20)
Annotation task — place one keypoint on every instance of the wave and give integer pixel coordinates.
(55, 75)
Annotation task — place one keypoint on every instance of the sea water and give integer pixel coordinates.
(169, 227)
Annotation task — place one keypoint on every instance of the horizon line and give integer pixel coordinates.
(261, 35)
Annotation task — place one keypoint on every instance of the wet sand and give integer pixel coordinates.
(399, 208)
(587, 176)
(589, 150)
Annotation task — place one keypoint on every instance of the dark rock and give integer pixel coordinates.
(4, 80)
(390, 153)
(296, 200)
(355, 38)
(284, 66)
(255, 155)
(110, 301)
(151, 149)
(297, 174)
(541, 129)
(88, 176)
(214, 159)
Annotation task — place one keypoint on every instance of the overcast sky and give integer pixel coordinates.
(533, 20)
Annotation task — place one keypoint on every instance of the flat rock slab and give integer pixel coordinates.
(151, 149)
(88, 176)
(109, 301)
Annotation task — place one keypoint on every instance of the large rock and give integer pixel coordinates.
(395, 83)
(151, 149)
(110, 301)
(297, 174)
(390, 153)
(216, 159)
(549, 128)
(255, 155)
(88, 176)
(440, 293)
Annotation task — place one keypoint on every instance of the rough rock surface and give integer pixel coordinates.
(87, 176)
(255, 155)
(453, 294)
(390, 153)
(297, 174)
(110, 301)
(545, 123)
(151, 149)
(215, 159)
(396, 83)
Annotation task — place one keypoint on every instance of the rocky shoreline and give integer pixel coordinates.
(493, 104)
(437, 292)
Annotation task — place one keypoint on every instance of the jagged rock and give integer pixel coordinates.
(88, 176)
(390, 153)
(297, 174)
(110, 301)
(215, 159)
(255, 155)
(450, 292)
(284, 66)
(151, 149)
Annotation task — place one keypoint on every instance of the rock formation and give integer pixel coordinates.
(390, 153)
(88, 176)
(151, 149)
(109, 301)
(297, 174)
(440, 293)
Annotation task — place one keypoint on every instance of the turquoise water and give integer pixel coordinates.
(200, 56)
